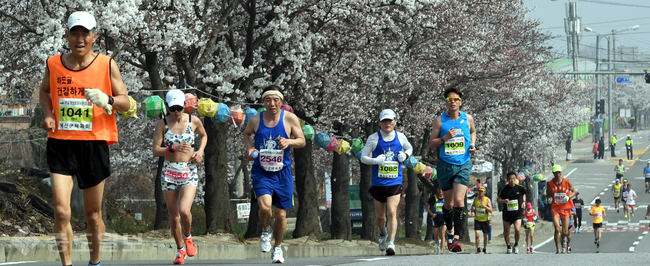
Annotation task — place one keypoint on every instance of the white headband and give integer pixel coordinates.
(273, 92)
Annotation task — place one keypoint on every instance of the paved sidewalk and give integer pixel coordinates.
(581, 149)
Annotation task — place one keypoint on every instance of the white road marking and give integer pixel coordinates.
(15, 263)
(571, 172)
(605, 189)
(635, 243)
(543, 243)
(602, 193)
(632, 249)
(373, 259)
(645, 233)
(640, 237)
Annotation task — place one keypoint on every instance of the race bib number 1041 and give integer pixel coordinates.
(75, 114)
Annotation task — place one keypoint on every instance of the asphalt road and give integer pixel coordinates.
(595, 180)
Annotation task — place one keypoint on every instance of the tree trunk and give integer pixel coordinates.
(341, 227)
(38, 139)
(162, 214)
(370, 230)
(219, 214)
(307, 218)
(254, 224)
(412, 219)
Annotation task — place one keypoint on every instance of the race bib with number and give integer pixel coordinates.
(599, 215)
(530, 224)
(559, 198)
(439, 207)
(389, 169)
(647, 175)
(455, 146)
(480, 212)
(176, 173)
(513, 206)
(272, 160)
(75, 114)
(617, 193)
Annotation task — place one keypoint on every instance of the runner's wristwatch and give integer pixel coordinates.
(110, 100)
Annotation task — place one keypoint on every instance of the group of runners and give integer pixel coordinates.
(81, 89)
(80, 133)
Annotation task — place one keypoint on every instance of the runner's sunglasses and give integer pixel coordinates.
(176, 108)
(453, 99)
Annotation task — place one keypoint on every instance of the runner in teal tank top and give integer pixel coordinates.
(455, 134)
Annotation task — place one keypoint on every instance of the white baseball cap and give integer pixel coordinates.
(387, 114)
(81, 18)
(175, 97)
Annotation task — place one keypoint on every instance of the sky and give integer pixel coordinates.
(600, 15)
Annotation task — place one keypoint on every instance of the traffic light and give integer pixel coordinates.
(600, 106)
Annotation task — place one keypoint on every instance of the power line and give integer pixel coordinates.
(602, 22)
(612, 3)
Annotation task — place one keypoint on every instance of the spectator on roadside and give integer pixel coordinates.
(500, 185)
(595, 150)
(567, 147)
(601, 148)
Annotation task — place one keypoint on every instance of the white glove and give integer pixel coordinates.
(401, 156)
(379, 159)
(566, 198)
(99, 98)
(524, 220)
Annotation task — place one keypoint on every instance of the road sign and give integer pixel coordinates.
(623, 80)
(599, 120)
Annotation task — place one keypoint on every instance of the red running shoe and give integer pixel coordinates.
(189, 245)
(455, 246)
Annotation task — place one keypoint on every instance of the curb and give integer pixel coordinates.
(133, 250)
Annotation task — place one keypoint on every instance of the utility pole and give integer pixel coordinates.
(572, 28)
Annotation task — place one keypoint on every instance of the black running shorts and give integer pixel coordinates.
(382, 193)
(87, 160)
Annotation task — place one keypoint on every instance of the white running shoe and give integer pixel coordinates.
(277, 255)
(265, 240)
(390, 251)
(509, 250)
(383, 245)
(516, 249)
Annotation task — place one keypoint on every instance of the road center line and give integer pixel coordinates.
(571, 172)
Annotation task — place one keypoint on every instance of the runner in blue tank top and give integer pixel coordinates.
(389, 149)
(271, 173)
(455, 134)
(646, 174)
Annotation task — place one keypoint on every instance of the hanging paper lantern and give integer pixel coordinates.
(132, 112)
(521, 177)
(223, 113)
(287, 108)
(357, 144)
(322, 140)
(261, 109)
(308, 131)
(237, 116)
(357, 154)
(411, 162)
(538, 177)
(419, 168)
(153, 106)
(207, 107)
(334, 144)
(250, 112)
(343, 148)
(191, 103)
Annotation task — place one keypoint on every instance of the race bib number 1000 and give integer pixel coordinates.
(388, 170)
(455, 146)
(75, 114)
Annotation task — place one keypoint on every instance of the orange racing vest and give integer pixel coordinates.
(75, 117)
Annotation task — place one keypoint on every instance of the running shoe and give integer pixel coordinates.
(528, 250)
(626, 215)
(531, 249)
(509, 250)
(277, 255)
(578, 230)
(189, 245)
(478, 250)
(598, 244)
(595, 241)
(557, 251)
(383, 245)
(438, 248)
(484, 252)
(489, 242)
(632, 214)
(455, 246)
(568, 249)
(516, 249)
(617, 210)
(390, 251)
(181, 255)
(265, 240)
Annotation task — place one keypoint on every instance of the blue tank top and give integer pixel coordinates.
(389, 175)
(455, 151)
(439, 203)
(266, 138)
(647, 172)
